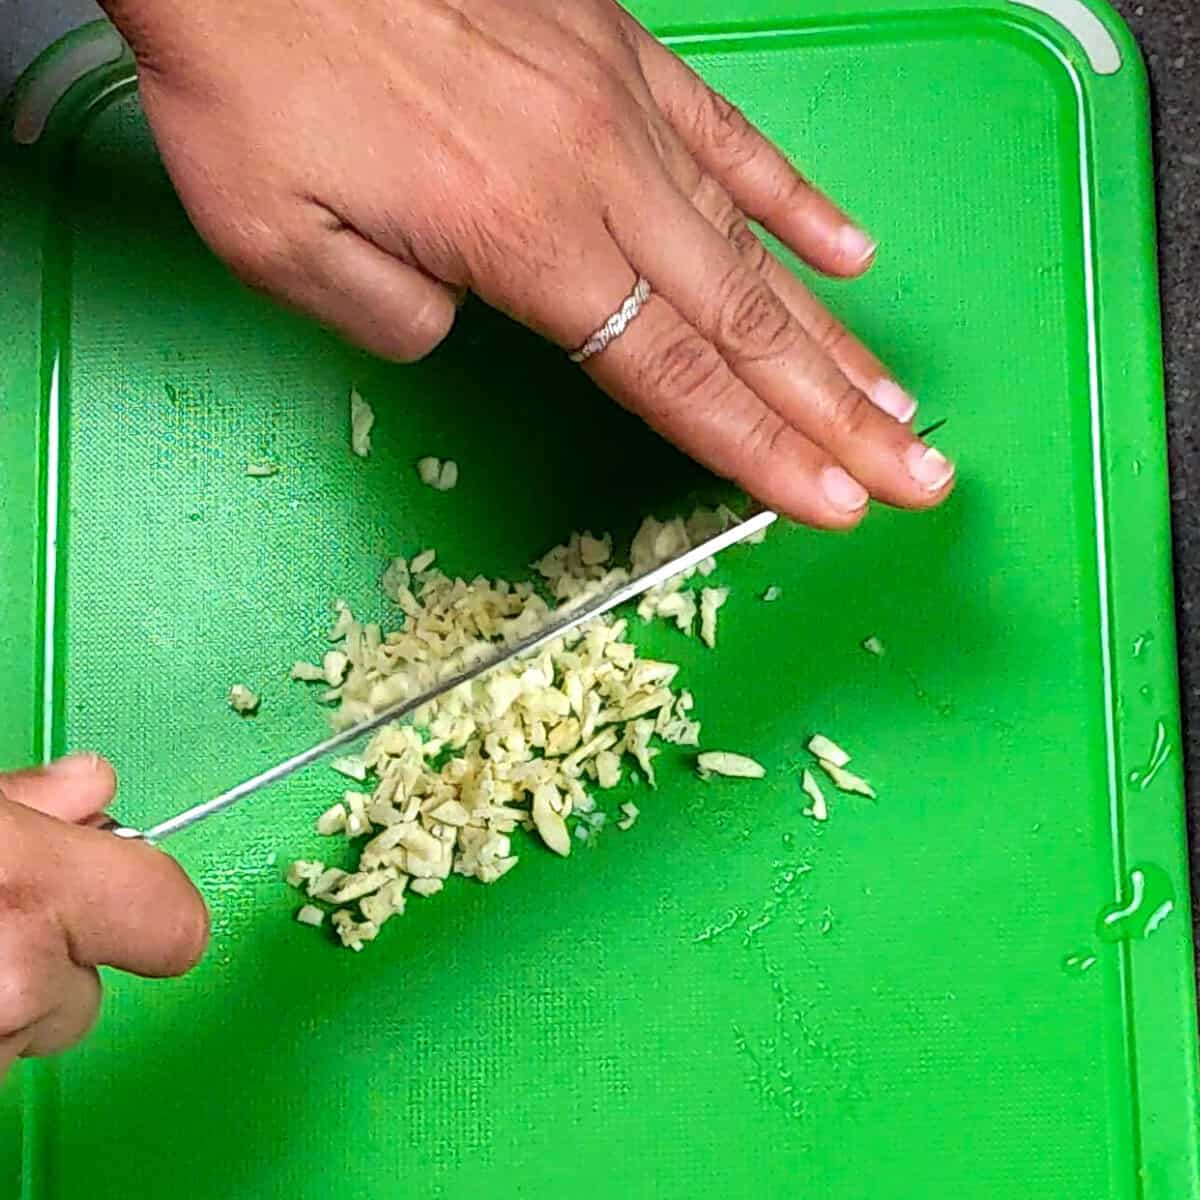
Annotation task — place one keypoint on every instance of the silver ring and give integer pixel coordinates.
(616, 324)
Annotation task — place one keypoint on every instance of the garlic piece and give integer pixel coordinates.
(711, 600)
(724, 762)
(350, 766)
(819, 811)
(551, 827)
(362, 419)
(242, 700)
(821, 747)
(845, 781)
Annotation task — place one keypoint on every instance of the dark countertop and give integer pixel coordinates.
(1169, 32)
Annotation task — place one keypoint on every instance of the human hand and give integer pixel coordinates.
(366, 162)
(73, 898)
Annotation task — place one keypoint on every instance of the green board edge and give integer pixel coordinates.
(1158, 993)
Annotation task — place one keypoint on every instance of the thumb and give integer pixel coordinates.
(71, 789)
(125, 904)
(118, 903)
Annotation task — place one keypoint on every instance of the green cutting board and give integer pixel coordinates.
(912, 1000)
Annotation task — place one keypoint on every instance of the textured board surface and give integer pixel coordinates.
(728, 998)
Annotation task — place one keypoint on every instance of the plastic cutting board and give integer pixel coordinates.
(930, 996)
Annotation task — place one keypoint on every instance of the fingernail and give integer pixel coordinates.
(69, 764)
(894, 400)
(843, 491)
(929, 467)
(855, 244)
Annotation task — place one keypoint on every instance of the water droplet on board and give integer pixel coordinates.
(1159, 753)
(1147, 900)
(1144, 691)
(724, 925)
(1137, 466)
(756, 926)
(1079, 963)
(1141, 642)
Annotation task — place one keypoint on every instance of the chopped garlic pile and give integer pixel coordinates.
(522, 746)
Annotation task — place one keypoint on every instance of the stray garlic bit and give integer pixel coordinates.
(724, 762)
(821, 747)
(362, 419)
(242, 700)
(711, 600)
(846, 781)
(441, 476)
(819, 811)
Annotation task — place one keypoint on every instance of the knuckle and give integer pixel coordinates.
(435, 249)
(587, 107)
(681, 370)
(850, 412)
(451, 24)
(793, 189)
(501, 244)
(18, 891)
(725, 128)
(22, 996)
(827, 331)
(748, 244)
(728, 218)
(764, 438)
(751, 321)
(661, 145)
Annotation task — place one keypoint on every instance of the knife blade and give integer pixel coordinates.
(564, 620)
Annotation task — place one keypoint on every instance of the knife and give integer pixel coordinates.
(565, 619)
